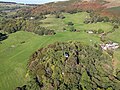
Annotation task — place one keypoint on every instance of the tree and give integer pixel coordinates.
(55, 72)
(72, 29)
(106, 19)
(115, 27)
(70, 24)
(100, 31)
(3, 36)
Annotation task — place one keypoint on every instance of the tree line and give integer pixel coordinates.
(14, 25)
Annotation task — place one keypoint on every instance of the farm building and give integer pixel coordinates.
(109, 46)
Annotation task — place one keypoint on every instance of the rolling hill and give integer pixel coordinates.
(22, 66)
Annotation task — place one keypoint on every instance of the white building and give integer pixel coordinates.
(31, 18)
(109, 46)
(90, 32)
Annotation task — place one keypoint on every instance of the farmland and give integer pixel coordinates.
(77, 19)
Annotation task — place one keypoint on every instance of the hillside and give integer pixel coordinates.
(109, 3)
(99, 6)
(13, 6)
(71, 66)
(66, 45)
(113, 3)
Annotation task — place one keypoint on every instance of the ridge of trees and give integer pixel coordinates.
(14, 25)
(71, 66)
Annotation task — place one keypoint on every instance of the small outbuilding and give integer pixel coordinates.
(90, 31)
(109, 46)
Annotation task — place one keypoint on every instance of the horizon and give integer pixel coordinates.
(32, 1)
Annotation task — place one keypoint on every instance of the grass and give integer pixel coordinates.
(117, 56)
(115, 36)
(14, 55)
(77, 19)
(116, 62)
(53, 23)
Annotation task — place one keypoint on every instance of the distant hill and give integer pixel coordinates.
(12, 6)
(66, 6)
(99, 6)
(8, 2)
(113, 3)
(109, 4)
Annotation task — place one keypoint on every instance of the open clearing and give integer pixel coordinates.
(78, 20)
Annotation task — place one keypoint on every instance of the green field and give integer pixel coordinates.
(53, 23)
(77, 19)
(14, 55)
(115, 36)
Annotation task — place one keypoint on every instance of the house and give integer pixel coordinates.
(109, 46)
(31, 18)
(90, 32)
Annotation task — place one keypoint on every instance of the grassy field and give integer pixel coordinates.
(53, 23)
(115, 36)
(14, 54)
(77, 19)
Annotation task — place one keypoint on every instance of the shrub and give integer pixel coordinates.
(115, 27)
(70, 24)
(72, 29)
(3, 36)
(100, 31)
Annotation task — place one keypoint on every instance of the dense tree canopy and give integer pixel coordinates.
(71, 66)
(14, 25)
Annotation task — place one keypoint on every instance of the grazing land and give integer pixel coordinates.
(77, 19)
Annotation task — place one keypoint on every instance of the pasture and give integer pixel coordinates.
(78, 20)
